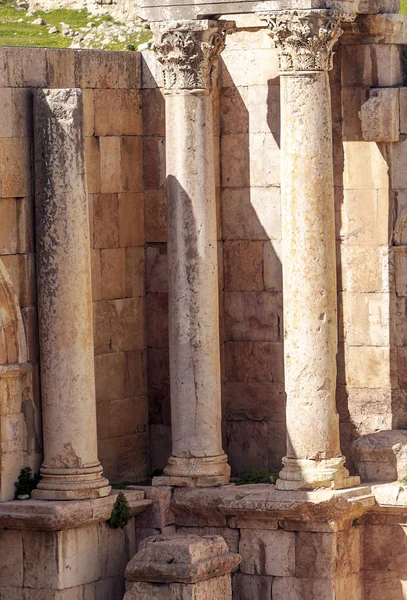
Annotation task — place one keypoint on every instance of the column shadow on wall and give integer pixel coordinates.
(251, 303)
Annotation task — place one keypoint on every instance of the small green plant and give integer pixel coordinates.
(121, 513)
(26, 482)
(404, 480)
(355, 522)
(248, 477)
(131, 47)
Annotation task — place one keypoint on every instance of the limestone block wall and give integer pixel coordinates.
(113, 128)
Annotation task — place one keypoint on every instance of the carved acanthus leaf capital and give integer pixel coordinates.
(305, 38)
(188, 51)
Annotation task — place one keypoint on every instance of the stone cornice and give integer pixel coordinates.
(305, 38)
(188, 51)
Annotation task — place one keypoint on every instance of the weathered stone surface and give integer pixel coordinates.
(380, 116)
(247, 587)
(381, 456)
(267, 552)
(183, 559)
(63, 249)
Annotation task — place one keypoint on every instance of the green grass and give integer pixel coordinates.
(15, 33)
(403, 7)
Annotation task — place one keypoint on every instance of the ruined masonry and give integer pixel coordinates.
(203, 275)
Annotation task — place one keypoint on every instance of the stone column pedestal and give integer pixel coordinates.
(181, 566)
(187, 51)
(71, 469)
(305, 39)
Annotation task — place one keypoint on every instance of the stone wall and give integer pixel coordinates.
(113, 127)
(125, 152)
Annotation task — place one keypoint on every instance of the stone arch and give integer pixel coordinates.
(13, 345)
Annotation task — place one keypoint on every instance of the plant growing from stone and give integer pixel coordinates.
(121, 513)
(26, 482)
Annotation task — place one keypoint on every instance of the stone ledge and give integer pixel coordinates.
(213, 506)
(57, 515)
(373, 29)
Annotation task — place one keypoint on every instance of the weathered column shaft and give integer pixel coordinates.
(187, 52)
(305, 39)
(309, 281)
(71, 469)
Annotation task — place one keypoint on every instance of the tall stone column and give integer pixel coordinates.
(187, 52)
(305, 39)
(71, 469)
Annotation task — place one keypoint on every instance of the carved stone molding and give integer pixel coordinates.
(305, 38)
(188, 51)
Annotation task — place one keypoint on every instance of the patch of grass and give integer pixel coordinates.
(250, 477)
(403, 7)
(16, 28)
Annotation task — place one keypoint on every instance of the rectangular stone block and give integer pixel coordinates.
(253, 401)
(131, 219)
(60, 67)
(243, 266)
(231, 536)
(110, 164)
(267, 552)
(258, 362)
(155, 207)
(127, 416)
(273, 270)
(251, 213)
(368, 366)
(26, 68)
(117, 112)
(133, 457)
(88, 113)
(131, 164)
(11, 558)
(159, 386)
(95, 69)
(154, 162)
(234, 114)
(128, 325)
(366, 217)
(315, 555)
(254, 316)
(40, 559)
(365, 167)
(366, 269)
(235, 160)
(135, 272)
(264, 159)
(117, 546)
(157, 320)
(403, 110)
(380, 116)
(110, 372)
(263, 104)
(153, 112)
(16, 116)
(106, 221)
(113, 273)
(297, 589)
(157, 269)
(368, 319)
(247, 448)
(15, 167)
(259, 66)
(79, 559)
(92, 160)
(249, 587)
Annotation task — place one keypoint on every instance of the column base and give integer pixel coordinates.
(308, 474)
(71, 484)
(206, 471)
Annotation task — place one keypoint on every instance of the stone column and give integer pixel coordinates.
(304, 39)
(71, 469)
(188, 51)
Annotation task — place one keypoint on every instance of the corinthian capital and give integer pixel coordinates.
(188, 51)
(305, 38)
